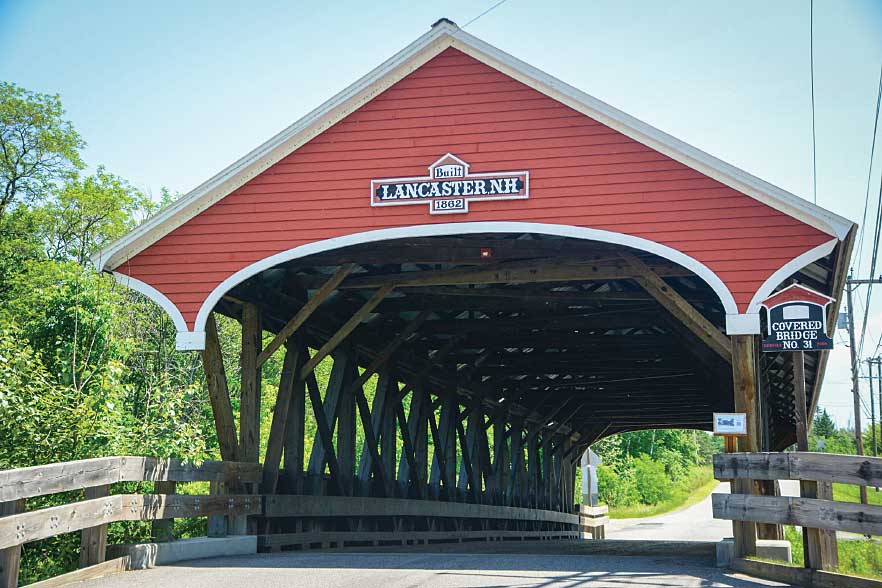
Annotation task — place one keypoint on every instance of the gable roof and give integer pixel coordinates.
(796, 292)
(442, 35)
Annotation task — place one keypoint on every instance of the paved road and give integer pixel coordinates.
(695, 523)
(434, 570)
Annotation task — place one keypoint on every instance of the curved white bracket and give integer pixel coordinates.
(440, 229)
(185, 339)
(793, 266)
(736, 323)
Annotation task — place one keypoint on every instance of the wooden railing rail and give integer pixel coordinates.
(100, 508)
(800, 465)
(88, 473)
(815, 510)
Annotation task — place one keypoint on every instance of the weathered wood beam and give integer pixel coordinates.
(277, 435)
(305, 312)
(347, 328)
(218, 393)
(745, 393)
(325, 435)
(681, 308)
(249, 411)
(541, 270)
(383, 356)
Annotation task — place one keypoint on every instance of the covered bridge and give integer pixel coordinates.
(526, 268)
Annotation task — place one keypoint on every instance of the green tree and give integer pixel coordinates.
(823, 425)
(87, 214)
(37, 146)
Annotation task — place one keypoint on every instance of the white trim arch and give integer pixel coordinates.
(185, 339)
(195, 339)
(792, 266)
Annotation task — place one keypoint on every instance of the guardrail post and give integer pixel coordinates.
(10, 557)
(163, 530)
(217, 524)
(93, 541)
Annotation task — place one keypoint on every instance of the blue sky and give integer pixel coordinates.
(168, 93)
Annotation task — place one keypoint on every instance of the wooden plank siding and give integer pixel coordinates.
(582, 173)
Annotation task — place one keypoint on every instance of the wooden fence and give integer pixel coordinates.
(814, 510)
(320, 521)
(92, 515)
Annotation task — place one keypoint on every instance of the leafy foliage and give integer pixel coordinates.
(37, 147)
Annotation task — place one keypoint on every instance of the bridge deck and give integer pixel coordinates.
(523, 564)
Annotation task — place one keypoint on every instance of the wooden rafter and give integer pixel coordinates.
(681, 308)
(305, 312)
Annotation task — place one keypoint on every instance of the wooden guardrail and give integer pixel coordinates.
(593, 520)
(92, 515)
(814, 510)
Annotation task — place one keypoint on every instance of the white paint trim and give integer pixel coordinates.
(156, 296)
(743, 324)
(793, 266)
(413, 56)
(466, 228)
(190, 341)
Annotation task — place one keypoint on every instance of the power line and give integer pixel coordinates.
(489, 10)
(870, 173)
(812, 69)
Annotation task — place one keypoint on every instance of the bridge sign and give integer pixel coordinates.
(730, 423)
(797, 320)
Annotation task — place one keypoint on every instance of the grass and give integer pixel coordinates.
(851, 493)
(857, 557)
(692, 489)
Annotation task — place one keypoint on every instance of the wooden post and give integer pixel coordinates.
(294, 435)
(819, 545)
(218, 393)
(93, 541)
(10, 557)
(163, 530)
(217, 524)
(249, 411)
(744, 389)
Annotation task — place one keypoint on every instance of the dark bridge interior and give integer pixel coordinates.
(566, 333)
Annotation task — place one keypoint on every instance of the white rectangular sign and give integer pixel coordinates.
(730, 423)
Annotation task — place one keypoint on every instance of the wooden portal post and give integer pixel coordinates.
(249, 411)
(819, 545)
(745, 393)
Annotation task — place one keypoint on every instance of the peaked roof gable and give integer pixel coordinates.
(443, 35)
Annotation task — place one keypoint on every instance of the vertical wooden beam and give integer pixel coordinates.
(819, 546)
(273, 458)
(249, 411)
(163, 530)
(218, 393)
(388, 384)
(744, 390)
(295, 430)
(412, 468)
(346, 424)
(10, 558)
(441, 465)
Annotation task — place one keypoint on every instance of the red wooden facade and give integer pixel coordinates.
(582, 173)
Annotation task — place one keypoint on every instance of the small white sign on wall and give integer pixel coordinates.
(730, 423)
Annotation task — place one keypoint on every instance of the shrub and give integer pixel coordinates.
(652, 483)
(614, 488)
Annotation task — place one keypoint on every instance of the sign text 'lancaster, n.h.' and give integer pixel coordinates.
(450, 187)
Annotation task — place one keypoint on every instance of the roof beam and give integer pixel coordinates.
(305, 312)
(680, 307)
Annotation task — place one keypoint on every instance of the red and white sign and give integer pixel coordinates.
(450, 187)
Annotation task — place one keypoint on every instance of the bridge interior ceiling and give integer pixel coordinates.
(561, 331)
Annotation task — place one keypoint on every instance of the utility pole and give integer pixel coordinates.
(850, 285)
(870, 362)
